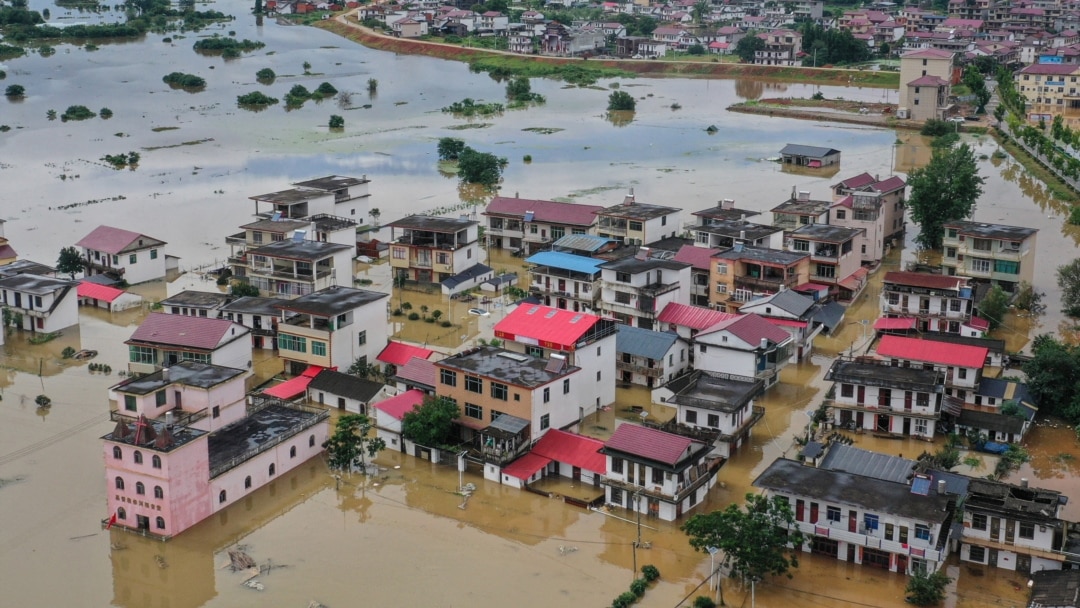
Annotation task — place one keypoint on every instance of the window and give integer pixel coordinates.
(160, 522)
(311, 441)
(140, 489)
(474, 411)
(292, 452)
(117, 453)
(616, 496)
(141, 354)
(871, 522)
(361, 337)
(847, 390)
(138, 457)
(155, 461)
(621, 297)
(221, 496)
(701, 347)
(616, 465)
(294, 343)
(840, 213)
(119, 483)
(800, 245)
(153, 254)
(1027, 530)
(826, 271)
(954, 305)
(133, 258)
(474, 384)
(598, 376)
(721, 268)
(272, 469)
(922, 532)
(534, 351)
(1006, 267)
(635, 226)
(495, 415)
(247, 482)
(216, 411)
(565, 387)
(663, 220)
(545, 421)
(400, 253)
(318, 348)
(950, 252)
(980, 244)
(691, 417)
(498, 391)
(116, 260)
(962, 372)
(517, 396)
(121, 513)
(160, 398)
(713, 421)
(721, 288)
(977, 554)
(447, 377)
(597, 351)
(980, 265)
(622, 277)
(833, 514)
(159, 493)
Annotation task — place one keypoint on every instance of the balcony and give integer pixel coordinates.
(103, 268)
(826, 254)
(180, 417)
(648, 372)
(655, 290)
(915, 547)
(767, 283)
(239, 238)
(681, 491)
(263, 271)
(612, 229)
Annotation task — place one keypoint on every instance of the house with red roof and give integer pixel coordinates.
(930, 302)
(874, 205)
(711, 407)
(163, 340)
(657, 473)
(532, 225)
(388, 414)
(559, 453)
(398, 353)
(7, 252)
(417, 373)
(962, 363)
(123, 254)
(745, 345)
(587, 341)
(688, 321)
(107, 297)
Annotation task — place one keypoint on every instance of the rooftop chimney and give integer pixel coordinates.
(168, 420)
(941, 486)
(727, 203)
(629, 198)
(764, 343)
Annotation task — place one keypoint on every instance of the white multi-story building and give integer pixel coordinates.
(717, 408)
(932, 302)
(650, 358)
(429, 249)
(332, 328)
(744, 345)
(565, 280)
(637, 288)
(962, 363)
(526, 225)
(163, 340)
(122, 254)
(637, 223)
(333, 195)
(884, 399)
(44, 304)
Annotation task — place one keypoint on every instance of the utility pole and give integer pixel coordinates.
(637, 499)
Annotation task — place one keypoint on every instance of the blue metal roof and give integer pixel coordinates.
(566, 261)
(643, 342)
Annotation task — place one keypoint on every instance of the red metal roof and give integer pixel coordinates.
(978, 323)
(551, 212)
(889, 185)
(294, 387)
(897, 323)
(694, 317)
(855, 280)
(7, 251)
(526, 466)
(398, 353)
(110, 240)
(750, 328)
(785, 322)
(98, 292)
(421, 371)
(651, 444)
(860, 180)
(929, 54)
(572, 449)
(698, 257)
(549, 327)
(928, 81)
(924, 279)
(931, 351)
(396, 407)
(180, 330)
(1053, 69)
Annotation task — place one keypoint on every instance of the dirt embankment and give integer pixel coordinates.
(825, 114)
(348, 28)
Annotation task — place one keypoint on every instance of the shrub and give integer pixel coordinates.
(184, 81)
(217, 43)
(1074, 215)
(447, 324)
(704, 601)
(265, 75)
(43, 401)
(326, 90)
(256, 98)
(77, 113)
(414, 316)
(67, 353)
(650, 573)
(336, 122)
(936, 128)
(105, 113)
(625, 600)
(15, 90)
(621, 101)
(527, 158)
(638, 586)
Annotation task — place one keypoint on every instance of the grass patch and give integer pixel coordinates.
(43, 338)
(1054, 186)
(468, 108)
(160, 129)
(503, 67)
(186, 143)
(543, 130)
(471, 125)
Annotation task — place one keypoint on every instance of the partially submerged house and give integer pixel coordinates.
(745, 345)
(123, 254)
(712, 407)
(345, 392)
(107, 297)
(809, 156)
(163, 340)
(650, 358)
(40, 303)
(560, 453)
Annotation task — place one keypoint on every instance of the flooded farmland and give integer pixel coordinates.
(401, 537)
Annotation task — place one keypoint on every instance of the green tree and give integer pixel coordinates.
(943, 191)
(432, 423)
(265, 75)
(747, 46)
(372, 85)
(350, 443)
(993, 306)
(754, 541)
(927, 589)
(243, 289)
(621, 101)
(480, 167)
(1053, 375)
(700, 10)
(696, 49)
(258, 7)
(450, 148)
(70, 261)
(15, 90)
(1068, 279)
(336, 122)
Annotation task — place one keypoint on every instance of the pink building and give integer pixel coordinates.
(186, 445)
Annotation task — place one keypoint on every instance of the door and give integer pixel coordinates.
(901, 563)
(884, 423)
(813, 512)
(995, 528)
(851, 552)
(576, 475)
(1023, 563)
(861, 396)
(852, 521)
(799, 507)
(992, 560)
(859, 419)
(340, 402)
(907, 426)
(142, 522)
(178, 399)
(1010, 531)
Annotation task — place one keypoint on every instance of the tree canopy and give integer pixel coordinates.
(927, 589)
(242, 289)
(1068, 279)
(747, 46)
(350, 443)
(432, 423)
(480, 167)
(993, 306)
(450, 148)
(70, 261)
(621, 101)
(1054, 377)
(943, 191)
(833, 46)
(754, 541)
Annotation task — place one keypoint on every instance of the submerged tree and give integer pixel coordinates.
(621, 101)
(1068, 279)
(993, 307)
(70, 261)
(927, 589)
(943, 191)
(450, 148)
(432, 423)
(350, 443)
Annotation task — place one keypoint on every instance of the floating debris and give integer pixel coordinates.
(254, 584)
(241, 561)
(160, 562)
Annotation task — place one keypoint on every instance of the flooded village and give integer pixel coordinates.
(650, 317)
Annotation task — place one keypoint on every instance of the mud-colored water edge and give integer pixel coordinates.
(830, 116)
(830, 76)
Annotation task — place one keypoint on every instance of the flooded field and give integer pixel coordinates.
(369, 538)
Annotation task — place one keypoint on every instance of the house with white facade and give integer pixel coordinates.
(40, 303)
(876, 397)
(833, 258)
(638, 287)
(990, 253)
(333, 195)
(713, 407)
(929, 302)
(519, 224)
(387, 415)
(962, 363)
(587, 341)
(726, 233)
(558, 453)
(876, 206)
(333, 327)
(650, 358)
(106, 297)
(123, 254)
(429, 249)
(347, 393)
(655, 473)
(258, 314)
(296, 267)
(163, 340)
(196, 303)
(637, 223)
(744, 345)
(565, 280)
(799, 315)
(688, 321)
